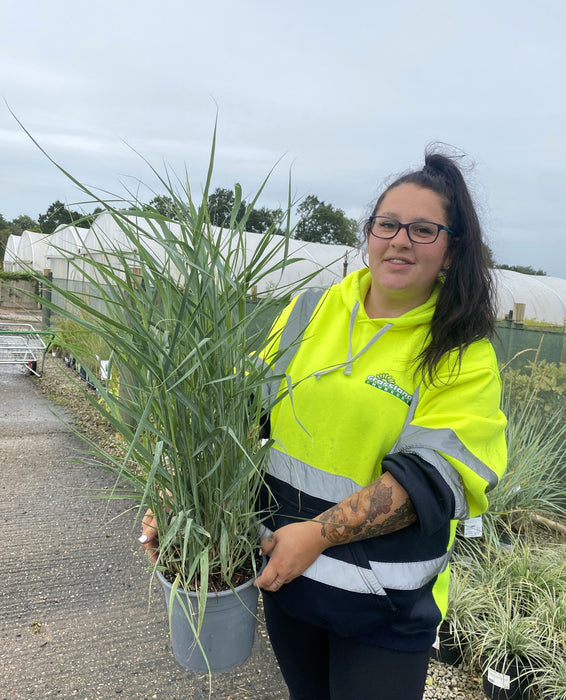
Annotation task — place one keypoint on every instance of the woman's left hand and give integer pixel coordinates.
(291, 550)
(148, 539)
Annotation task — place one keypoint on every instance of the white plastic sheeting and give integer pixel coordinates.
(11, 253)
(326, 260)
(107, 235)
(64, 252)
(31, 251)
(544, 297)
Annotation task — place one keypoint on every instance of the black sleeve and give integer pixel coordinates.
(432, 498)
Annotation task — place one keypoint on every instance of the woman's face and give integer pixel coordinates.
(404, 273)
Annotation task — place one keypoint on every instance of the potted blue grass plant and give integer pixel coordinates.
(178, 306)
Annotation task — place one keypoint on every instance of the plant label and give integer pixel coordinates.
(500, 680)
(473, 527)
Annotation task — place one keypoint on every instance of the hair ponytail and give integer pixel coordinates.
(465, 310)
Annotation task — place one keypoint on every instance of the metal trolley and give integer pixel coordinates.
(22, 344)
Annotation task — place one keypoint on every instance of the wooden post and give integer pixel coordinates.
(519, 313)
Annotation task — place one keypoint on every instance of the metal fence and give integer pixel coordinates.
(525, 343)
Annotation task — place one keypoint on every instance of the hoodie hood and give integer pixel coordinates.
(355, 287)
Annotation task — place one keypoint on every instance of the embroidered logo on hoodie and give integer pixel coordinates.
(386, 383)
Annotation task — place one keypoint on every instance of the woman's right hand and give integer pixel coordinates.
(148, 539)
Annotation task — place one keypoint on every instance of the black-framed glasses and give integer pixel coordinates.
(418, 231)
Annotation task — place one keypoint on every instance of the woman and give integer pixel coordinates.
(392, 435)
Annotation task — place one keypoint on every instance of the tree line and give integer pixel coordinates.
(318, 222)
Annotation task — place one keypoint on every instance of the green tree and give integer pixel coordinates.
(220, 205)
(58, 214)
(164, 205)
(4, 235)
(488, 253)
(23, 223)
(259, 220)
(322, 223)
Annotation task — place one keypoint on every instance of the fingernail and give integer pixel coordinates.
(143, 539)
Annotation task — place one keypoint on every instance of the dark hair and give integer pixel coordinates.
(465, 310)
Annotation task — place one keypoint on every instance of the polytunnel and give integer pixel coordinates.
(11, 253)
(31, 251)
(63, 254)
(106, 235)
(544, 297)
(329, 262)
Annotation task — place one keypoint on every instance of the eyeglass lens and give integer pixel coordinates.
(419, 231)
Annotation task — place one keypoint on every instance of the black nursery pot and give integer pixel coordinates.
(447, 650)
(510, 684)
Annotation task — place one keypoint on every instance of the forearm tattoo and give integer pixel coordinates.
(367, 513)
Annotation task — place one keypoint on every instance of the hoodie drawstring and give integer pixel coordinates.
(349, 359)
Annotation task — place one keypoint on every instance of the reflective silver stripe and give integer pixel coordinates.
(410, 575)
(260, 362)
(400, 576)
(450, 476)
(414, 437)
(307, 479)
(291, 336)
(412, 407)
(340, 574)
(296, 325)
(269, 386)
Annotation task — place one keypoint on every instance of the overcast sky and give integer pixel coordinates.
(344, 93)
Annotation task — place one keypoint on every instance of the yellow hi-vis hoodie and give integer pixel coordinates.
(357, 407)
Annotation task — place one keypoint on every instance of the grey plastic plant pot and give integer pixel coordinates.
(228, 628)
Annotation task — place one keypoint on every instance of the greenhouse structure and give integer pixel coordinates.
(106, 236)
(11, 253)
(31, 251)
(544, 297)
(65, 245)
(520, 298)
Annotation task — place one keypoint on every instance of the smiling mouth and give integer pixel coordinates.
(398, 261)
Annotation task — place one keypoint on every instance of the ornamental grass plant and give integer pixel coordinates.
(535, 479)
(511, 581)
(88, 345)
(510, 612)
(178, 308)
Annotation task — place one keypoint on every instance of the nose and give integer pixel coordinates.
(402, 239)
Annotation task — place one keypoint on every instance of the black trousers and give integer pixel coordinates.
(320, 665)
